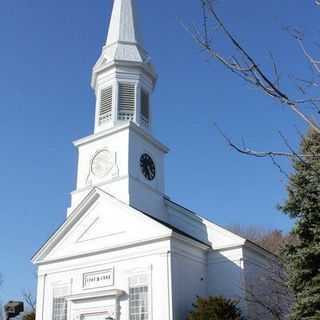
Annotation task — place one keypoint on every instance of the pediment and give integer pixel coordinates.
(99, 223)
(97, 230)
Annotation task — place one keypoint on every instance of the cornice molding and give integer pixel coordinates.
(191, 242)
(260, 250)
(101, 67)
(128, 126)
(96, 294)
(82, 207)
(108, 249)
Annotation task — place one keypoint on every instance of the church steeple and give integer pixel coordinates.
(122, 157)
(123, 77)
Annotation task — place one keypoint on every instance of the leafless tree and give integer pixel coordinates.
(306, 103)
(265, 290)
(267, 295)
(271, 240)
(30, 301)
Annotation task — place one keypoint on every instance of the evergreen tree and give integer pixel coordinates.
(302, 256)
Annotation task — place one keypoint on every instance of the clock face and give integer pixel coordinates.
(147, 167)
(102, 163)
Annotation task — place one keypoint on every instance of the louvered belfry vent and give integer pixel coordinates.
(105, 112)
(127, 101)
(145, 108)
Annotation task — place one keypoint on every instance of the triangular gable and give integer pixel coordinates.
(100, 222)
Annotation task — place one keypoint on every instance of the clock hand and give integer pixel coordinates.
(150, 170)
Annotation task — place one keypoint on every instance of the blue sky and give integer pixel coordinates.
(47, 51)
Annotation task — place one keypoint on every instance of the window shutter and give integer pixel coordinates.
(145, 105)
(127, 101)
(105, 112)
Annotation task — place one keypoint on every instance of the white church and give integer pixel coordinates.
(125, 250)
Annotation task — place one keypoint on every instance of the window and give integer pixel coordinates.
(138, 298)
(59, 309)
(105, 111)
(145, 112)
(59, 304)
(127, 101)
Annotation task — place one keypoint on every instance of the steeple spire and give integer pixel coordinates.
(123, 24)
(123, 43)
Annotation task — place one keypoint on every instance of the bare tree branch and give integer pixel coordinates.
(264, 287)
(263, 154)
(29, 300)
(249, 70)
(314, 63)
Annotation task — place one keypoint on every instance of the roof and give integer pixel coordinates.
(175, 229)
(249, 243)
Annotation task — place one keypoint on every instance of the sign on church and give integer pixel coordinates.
(98, 279)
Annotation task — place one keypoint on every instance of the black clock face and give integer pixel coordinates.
(147, 167)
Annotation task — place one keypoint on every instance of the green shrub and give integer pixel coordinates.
(215, 308)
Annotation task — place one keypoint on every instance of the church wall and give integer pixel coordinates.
(189, 277)
(150, 259)
(225, 274)
(263, 284)
(151, 204)
(138, 144)
(146, 195)
(225, 269)
(118, 144)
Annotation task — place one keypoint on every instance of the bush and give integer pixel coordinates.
(215, 308)
(29, 316)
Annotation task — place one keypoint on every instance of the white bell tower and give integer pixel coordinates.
(122, 157)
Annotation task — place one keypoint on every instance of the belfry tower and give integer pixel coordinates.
(122, 157)
(123, 77)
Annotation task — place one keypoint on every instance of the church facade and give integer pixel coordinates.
(125, 250)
